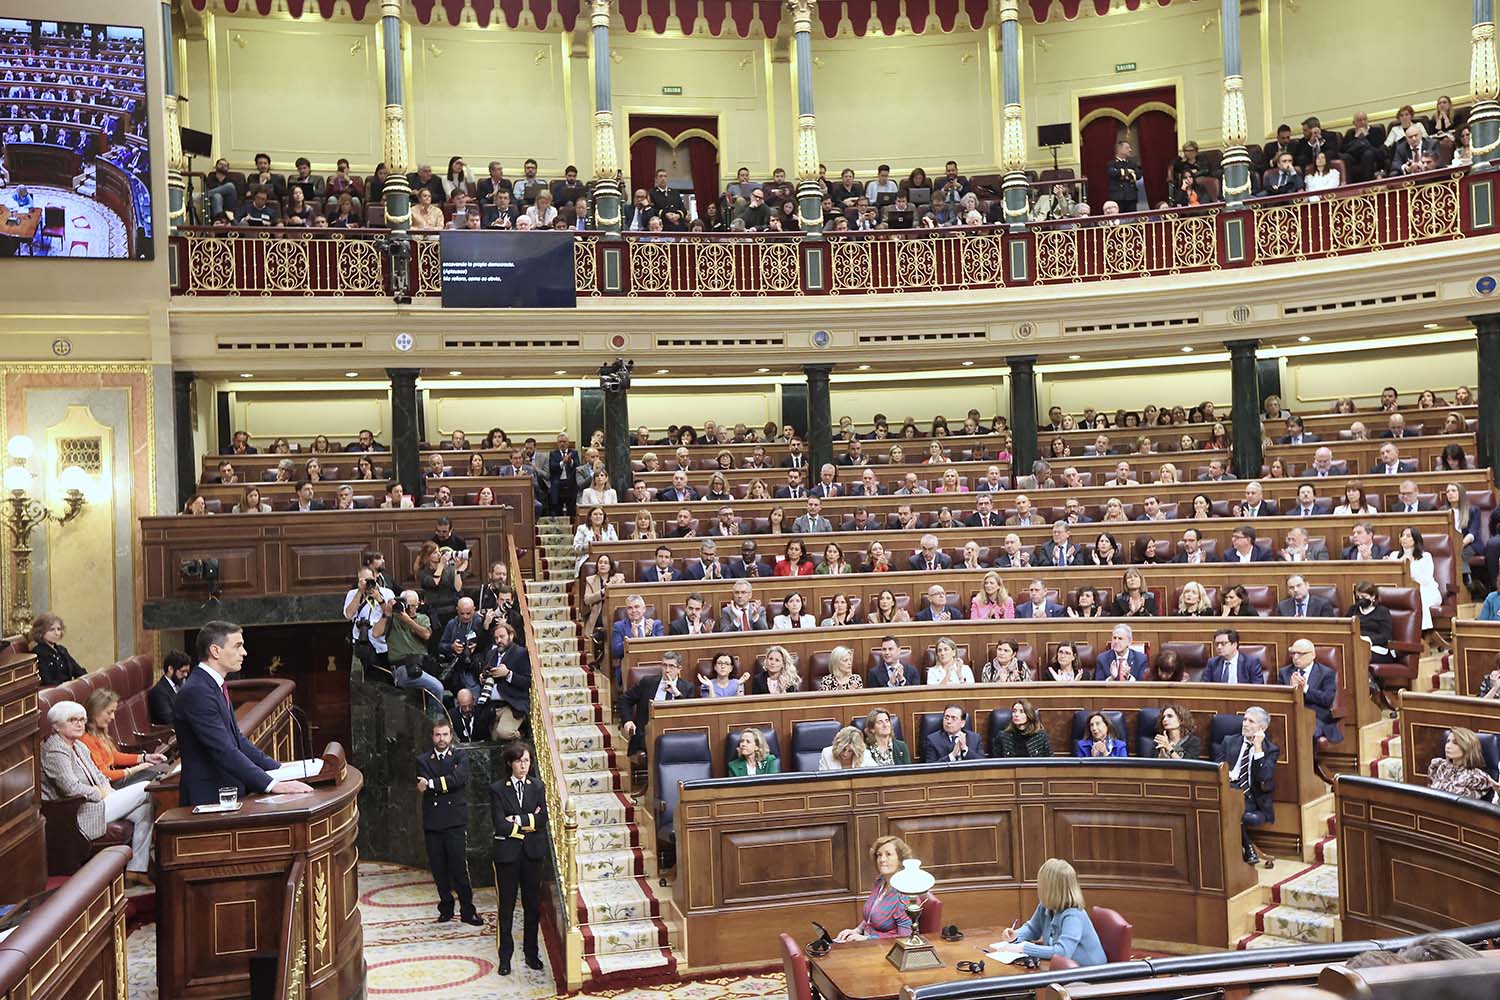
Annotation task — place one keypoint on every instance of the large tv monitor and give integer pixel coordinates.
(75, 142)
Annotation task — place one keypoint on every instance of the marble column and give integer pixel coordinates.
(1484, 84)
(1244, 390)
(1023, 429)
(1015, 188)
(182, 427)
(1236, 159)
(819, 419)
(1487, 331)
(606, 159)
(809, 194)
(172, 126)
(617, 440)
(397, 190)
(406, 457)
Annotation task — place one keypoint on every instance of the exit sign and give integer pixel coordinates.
(677, 91)
(1124, 67)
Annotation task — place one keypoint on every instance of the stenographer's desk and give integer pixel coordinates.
(858, 970)
(222, 886)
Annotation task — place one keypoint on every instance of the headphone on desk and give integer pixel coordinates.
(822, 944)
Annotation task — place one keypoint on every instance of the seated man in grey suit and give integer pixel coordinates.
(743, 613)
(1251, 757)
(1299, 548)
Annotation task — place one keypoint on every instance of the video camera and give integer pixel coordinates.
(614, 376)
(199, 570)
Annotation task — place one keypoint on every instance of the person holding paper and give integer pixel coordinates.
(1060, 925)
(519, 805)
(215, 754)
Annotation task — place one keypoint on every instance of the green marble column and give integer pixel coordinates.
(182, 428)
(406, 457)
(1484, 84)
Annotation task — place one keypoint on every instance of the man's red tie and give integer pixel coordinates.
(227, 700)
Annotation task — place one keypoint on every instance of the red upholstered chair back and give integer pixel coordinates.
(931, 920)
(1115, 933)
(1060, 962)
(130, 679)
(794, 963)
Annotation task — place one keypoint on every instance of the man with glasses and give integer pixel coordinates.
(1319, 686)
(1230, 666)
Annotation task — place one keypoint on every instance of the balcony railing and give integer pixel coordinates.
(1382, 215)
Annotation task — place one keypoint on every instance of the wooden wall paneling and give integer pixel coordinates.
(22, 849)
(1476, 652)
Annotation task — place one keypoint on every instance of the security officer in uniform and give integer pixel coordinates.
(519, 805)
(442, 781)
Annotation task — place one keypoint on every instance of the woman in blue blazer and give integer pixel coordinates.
(1060, 925)
(1102, 739)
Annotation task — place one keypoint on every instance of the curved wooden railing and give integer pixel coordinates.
(562, 824)
(291, 973)
(1385, 214)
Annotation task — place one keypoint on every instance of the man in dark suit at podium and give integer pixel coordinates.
(174, 671)
(443, 783)
(215, 754)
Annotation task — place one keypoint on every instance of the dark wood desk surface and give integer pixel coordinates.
(857, 970)
(17, 225)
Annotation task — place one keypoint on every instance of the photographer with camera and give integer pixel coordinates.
(365, 606)
(507, 683)
(407, 633)
(497, 603)
(462, 649)
(375, 561)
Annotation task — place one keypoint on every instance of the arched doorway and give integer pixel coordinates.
(1148, 118)
(685, 146)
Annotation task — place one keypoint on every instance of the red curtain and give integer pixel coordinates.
(702, 155)
(703, 162)
(642, 164)
(1156, 145)
(1098, 148)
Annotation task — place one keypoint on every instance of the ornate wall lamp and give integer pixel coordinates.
(23, 513)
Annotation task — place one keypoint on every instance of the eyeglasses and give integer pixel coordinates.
(77, 718)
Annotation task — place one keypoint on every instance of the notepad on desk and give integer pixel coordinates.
(298, 770)
(1004, 951)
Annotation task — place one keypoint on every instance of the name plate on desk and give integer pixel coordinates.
(218, 807)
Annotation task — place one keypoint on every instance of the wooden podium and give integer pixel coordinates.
(224, 893)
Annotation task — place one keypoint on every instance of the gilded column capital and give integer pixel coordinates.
(1484, 76)
(390, 8)
(599, 13)
(1010, 10)
(605, 161)
(807, 148)
(175, 158)
(1236, 125)
(1013, 139)
(395, 138)
(802, 14)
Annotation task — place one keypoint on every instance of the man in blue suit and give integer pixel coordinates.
(1039, 606)
(215, 754)
(1251, 757)
(1119, 662)
(1242, 547)
(890, 671)
(635, 626)
(1319, 686)
(1229, 666)
(661, 571)
(955, 741)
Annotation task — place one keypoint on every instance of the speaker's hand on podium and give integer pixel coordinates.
(289, 788)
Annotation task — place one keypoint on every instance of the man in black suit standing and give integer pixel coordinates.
(443, 783)
(174, 670)
(215, 754)
(1123, 173)
(562, 472)
(668, 205)
(635, 706)
(890, 671)
(1300, 603)
(1319, 686)
(518, 803)
(1251, 757)
(507, 682)
(955, 741)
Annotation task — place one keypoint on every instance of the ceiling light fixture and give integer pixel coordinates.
(246, 375)
(1187, 350)
(1075, 357)
(561, 371)
(968, 364)
(1430, 326)
(762, 370)
(351, 374)
(864, 368)
(1303, 339)
(663, 371)
(455, 371)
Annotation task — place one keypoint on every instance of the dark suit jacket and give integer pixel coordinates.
(621, 631)
(1279, 183)
(1403, 466)
(1024, 609)
(879, 676)
(785, 493)
(1408, 433)
(1377, 551)
(314, 505)
(695, 571)
(1317, 607)
(651, 574)
(738, 568)
(1262, 773)
(1306, 439)
(1267, 508)
(1047, 555)
(802, 462)
(561, 470)
(919, 562)
(1006, 561)
(679, 625)
(1251, 671)
(939, 745)
(670, 495)
(159, 702)
(1121, 187)
(977, 520)
(1257, 554)
(635, 706)
(822, 489)
(530, 809)
(445, 804)
(1319, 694)
(215, 754)
(514, 690)
(926, 615)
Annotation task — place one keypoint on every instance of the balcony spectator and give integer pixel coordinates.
(259, 212)
(1057, 204)
(882, 184)
(343, 182)
(312, 187)
(458, 178)
(1188, 164)
(1124, 173)
(846, 193)
(345, 216)
(506, 212)
(639, 215)
(263, 177)
(1363, 149)
(1281, 144)
(1407, 157)
(298, 211)
(1285, 180)
(494, 183)
(1397, 134)
(425, 178)
(668, 205)
(424, 214)
(542, 214)
(1313, 142)
(742, 185)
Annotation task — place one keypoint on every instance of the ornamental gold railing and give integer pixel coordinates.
(1382, 215)
(562, 812)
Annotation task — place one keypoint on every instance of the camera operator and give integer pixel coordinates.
(407, 634)
(365, 606)
(497, 603)
(507, 683)
(462, 648)
(375, 562)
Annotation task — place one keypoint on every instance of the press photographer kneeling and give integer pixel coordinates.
(367, 606)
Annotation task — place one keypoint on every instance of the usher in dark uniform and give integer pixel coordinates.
(445, 821)
(520, 850)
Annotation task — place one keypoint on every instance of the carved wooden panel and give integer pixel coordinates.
(767, 863)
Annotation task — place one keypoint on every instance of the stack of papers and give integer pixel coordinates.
(1004, 951)
(298, 770)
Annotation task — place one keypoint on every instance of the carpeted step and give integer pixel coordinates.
(584, 761)
(601, 866)
(570, 697)
(1296, 924)
(593, 782)
(622, 899)
(1390, 769)
(601, 839)
(574, 739)
(602, 809)
(1257, 940)
(611, 971)
(620, 937)
(1315, 888)
(1326, 851)
(578, 715)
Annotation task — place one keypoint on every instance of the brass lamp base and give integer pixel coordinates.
(913, 954)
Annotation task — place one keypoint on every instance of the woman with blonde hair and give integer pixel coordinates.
(841, 674)
(645, 525)
(754, 756)
(1167, 474)
(949, 670)
(846, 753)
(884, 914)
(1060, 926)
(116, 766)
(54, 664)
(885, 749)
(757, 490)
(992, 601)
(1193, 601)
(718, 489)
(778, 673)
(1134, 600)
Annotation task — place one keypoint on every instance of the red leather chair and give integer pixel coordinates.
(1060, 962)
(1115, 933)
(931, 920)
(794, 963)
